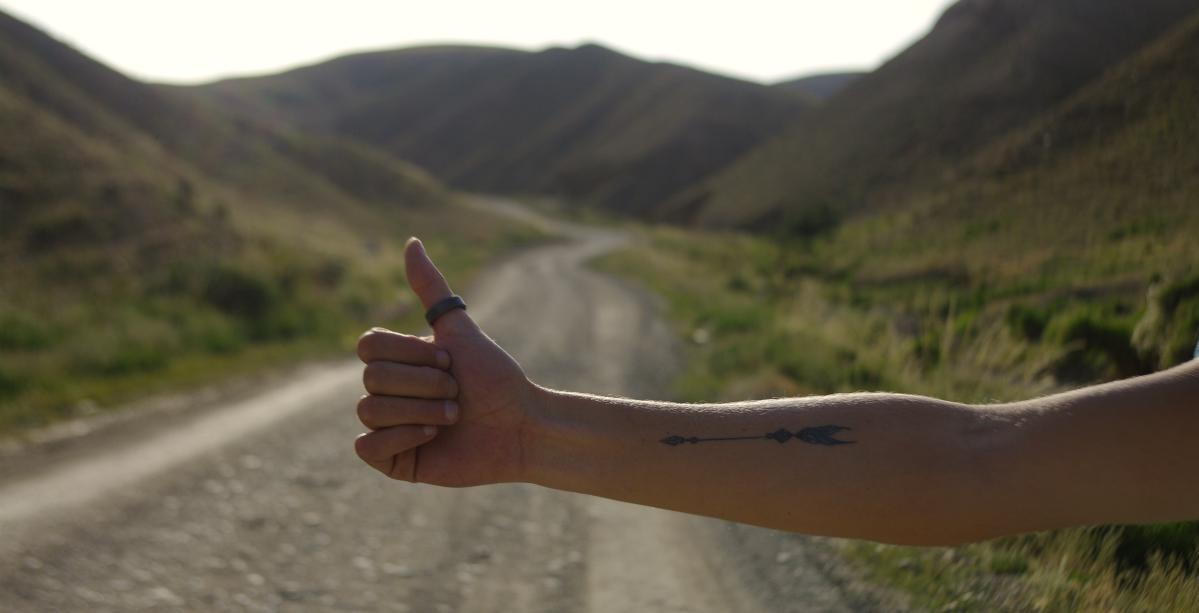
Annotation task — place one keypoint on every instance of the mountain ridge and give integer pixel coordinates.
(985, 68)
(587, 123)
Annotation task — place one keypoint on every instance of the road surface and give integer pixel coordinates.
(259, 504)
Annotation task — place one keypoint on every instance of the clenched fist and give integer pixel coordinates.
(448, 410)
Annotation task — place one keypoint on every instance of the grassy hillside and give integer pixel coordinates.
(986, 68)
(148, 240)
(586, 123)
(1062, 254)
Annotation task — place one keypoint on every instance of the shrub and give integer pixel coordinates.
(1097, 346)
(805, 223)
(1165, 336)
(10, 384)
(1027, 322)
(62, 228)
(1137, 545)
(21, 332)
(247, 295)
(926, 349)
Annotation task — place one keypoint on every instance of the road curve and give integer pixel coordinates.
(261, 505)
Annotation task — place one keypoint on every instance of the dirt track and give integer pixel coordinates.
(260, 504)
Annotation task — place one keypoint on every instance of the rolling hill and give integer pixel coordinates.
(987, 67)
(146, 236)
(1071, 238)
(587, 123)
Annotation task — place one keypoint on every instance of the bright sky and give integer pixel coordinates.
(763, 40)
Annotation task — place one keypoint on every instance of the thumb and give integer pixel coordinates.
(430, 285)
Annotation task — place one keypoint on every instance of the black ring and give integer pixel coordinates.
(445, 306)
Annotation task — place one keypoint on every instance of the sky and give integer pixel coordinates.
(759, 40)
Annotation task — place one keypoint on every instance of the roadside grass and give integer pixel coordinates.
(764, 318)
(123, 326)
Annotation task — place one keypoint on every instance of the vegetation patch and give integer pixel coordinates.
(768, 318)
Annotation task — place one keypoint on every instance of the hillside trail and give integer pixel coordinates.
(261, 504)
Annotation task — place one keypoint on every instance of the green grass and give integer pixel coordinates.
(96, 344)
(150, 240)
(767, 319)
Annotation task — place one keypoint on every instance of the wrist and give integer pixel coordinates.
(534, 433)
(559, 438)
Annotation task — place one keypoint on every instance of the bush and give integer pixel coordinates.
(22, 332)
(62, 228)
(1137, 545)
(1165, 336)
(1097, 346)
(805, 223)
(1027, 322)
(10, 384)
(244, 294)
(926, 349)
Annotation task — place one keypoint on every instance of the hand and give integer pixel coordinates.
(476, 440)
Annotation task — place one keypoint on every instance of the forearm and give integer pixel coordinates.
(918, 471)
(910, 475)
(1123, 452)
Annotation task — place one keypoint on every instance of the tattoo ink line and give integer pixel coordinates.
(816, 435)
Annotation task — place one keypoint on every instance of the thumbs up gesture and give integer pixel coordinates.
(448, 410)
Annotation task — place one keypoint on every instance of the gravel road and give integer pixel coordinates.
(258, 502)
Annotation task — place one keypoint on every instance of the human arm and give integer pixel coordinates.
(918, 471)
(921, 471)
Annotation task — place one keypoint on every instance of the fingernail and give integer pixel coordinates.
(430, 430)
(451, 411)
(379, 329)
(443, 359)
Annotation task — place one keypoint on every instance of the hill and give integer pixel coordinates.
(820, 87)
(986, 68)
(146, 237)
(97, 99)
(1063, 253)
(1090, 204)
(586, 123)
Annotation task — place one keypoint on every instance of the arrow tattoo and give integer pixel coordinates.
(816, 435)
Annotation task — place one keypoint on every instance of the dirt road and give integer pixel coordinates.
(260, 504)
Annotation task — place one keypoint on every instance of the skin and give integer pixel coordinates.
(456, 410)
